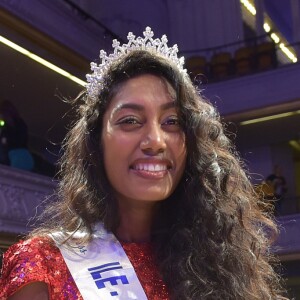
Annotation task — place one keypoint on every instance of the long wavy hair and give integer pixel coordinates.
(211, 236)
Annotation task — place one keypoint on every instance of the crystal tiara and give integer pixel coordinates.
(157, 46)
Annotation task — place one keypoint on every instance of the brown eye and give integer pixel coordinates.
(171, 124)
(172, 121)
(130, 120)
(129, 123)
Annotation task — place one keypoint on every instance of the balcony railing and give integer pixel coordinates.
(22, 196)
(239, 58)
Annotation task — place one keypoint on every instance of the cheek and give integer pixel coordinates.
(107, 143)
(183, 150)
(182, 161)
(117, 151)
(118, 145)
(179, 146)
(111, 149)
(180, 153)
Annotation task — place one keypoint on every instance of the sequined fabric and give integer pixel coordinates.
(142, 259)
(38, 259)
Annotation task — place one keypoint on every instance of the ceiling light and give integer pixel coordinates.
(41, 60)
(249, 7)
(267, 27)
(288, 52)
(275, 38)
(295, 145)
(268, 118)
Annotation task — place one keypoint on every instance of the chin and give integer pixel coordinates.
(153, 197)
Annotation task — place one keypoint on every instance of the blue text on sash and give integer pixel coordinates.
(97, 275)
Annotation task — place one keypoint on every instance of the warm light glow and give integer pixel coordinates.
(2, 123)
(295, 145)
(249, 7)
(41, 60)
(288, 52)
(267, 27)
(275, 38)
(263, 119)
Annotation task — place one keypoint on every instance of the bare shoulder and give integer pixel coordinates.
(31, 291)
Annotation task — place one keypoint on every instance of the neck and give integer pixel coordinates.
(136, 222)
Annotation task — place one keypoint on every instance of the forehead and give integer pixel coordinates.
(144, 88)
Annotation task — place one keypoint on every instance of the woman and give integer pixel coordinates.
(152, 190)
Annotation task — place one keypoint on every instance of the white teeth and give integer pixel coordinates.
(150, 167)
(157, 168)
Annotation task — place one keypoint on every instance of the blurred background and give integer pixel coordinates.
(243, 54)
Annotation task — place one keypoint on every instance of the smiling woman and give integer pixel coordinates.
(154, 203)
(142, 120)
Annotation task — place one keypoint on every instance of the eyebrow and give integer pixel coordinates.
(139, 107)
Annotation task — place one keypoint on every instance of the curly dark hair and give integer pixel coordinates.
(211, 237)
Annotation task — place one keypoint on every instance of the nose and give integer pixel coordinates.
(153, 140)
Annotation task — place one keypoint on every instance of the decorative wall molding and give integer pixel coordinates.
(255, 91)
(23, 195)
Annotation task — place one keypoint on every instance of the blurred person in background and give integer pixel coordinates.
(14, 138)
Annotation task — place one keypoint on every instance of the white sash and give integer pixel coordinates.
(101, 269)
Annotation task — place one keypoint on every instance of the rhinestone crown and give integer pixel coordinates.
(158, 46)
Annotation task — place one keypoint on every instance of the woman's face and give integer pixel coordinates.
(143, 143)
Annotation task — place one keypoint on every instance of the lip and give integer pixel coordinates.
(151, 168)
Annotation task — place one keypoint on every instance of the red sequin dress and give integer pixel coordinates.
(37, 259)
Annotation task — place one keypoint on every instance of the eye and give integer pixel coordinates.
(129, 120)
(129, 123)
(172, 121)
(171, 124)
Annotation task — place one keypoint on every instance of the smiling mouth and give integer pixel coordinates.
(150, 167)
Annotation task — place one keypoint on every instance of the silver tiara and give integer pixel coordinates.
(158, 46)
